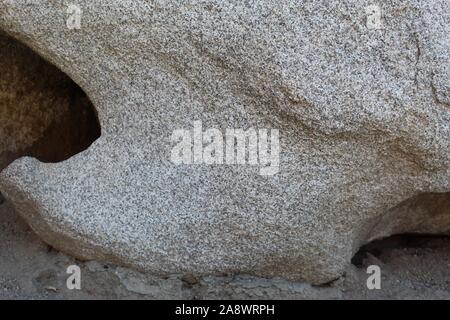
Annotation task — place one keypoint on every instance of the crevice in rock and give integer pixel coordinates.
(419, 220)
(43, 113)
(402, 242)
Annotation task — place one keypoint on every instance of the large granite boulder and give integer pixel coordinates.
(360, 96)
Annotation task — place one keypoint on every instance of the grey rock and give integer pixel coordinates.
(412, 268)
(363, 115)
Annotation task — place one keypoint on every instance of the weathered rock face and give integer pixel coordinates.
(363, 115)
(43, 113)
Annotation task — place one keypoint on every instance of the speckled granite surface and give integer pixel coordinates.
(363, 116)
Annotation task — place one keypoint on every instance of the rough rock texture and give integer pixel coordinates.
(412, 268)
(363, 114)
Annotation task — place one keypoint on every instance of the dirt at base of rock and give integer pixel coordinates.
(30, 269)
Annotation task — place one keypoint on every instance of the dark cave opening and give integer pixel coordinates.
(407, 241)
(43, 112)
(420, 222)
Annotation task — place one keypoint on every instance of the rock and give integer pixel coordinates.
(361, 109)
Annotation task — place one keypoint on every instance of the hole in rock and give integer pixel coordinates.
(43, 113)
(410, 244)
(421, 223)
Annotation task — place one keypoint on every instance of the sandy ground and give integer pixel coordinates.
(411, 268)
